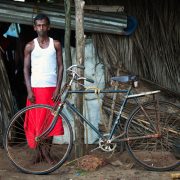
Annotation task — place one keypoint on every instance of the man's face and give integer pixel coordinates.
(41, 27)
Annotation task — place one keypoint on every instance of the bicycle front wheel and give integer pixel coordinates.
(154, 131)
(40, 156)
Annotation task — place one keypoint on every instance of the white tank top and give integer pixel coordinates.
(43, 65)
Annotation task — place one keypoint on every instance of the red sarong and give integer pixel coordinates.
(37, 122)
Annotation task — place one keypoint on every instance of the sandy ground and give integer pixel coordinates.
(114, 169)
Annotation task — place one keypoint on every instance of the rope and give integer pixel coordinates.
(96, 90)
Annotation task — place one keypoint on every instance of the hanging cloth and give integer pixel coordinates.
(13, 30)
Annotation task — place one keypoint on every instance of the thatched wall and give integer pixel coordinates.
(153, 51)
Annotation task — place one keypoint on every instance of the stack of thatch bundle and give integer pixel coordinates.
(6, 100)
(153, 50)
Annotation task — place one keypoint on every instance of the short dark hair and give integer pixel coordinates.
(40, 17)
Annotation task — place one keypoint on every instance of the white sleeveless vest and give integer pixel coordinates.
(43, 65)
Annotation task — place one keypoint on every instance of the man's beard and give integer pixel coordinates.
(42, 33)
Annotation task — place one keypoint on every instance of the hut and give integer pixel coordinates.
(151, 50)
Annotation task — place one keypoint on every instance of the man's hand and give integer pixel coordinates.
(55, 95)
(31, 97)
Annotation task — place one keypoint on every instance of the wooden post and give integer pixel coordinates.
(80, 43)
(67, 45)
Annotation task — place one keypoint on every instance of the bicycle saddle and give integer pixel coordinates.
(124, 79)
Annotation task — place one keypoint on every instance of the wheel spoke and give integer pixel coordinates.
(155, 153)
(49, 152)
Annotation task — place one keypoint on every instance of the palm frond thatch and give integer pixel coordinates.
(6, 100)
(153, 51)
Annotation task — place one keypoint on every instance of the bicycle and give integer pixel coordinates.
(150, 132)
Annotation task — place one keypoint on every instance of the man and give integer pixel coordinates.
(43, 71)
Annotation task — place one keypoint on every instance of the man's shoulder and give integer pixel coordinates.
(56, 43)
(30, 45)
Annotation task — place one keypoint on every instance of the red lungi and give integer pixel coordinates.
(37, 122)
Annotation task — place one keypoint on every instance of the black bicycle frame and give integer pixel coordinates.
(83, 119)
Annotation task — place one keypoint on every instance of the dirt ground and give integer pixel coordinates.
(116, 167)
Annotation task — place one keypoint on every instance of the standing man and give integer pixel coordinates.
(43, 71)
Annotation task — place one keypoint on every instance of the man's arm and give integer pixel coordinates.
(60, 67)
(27, 65)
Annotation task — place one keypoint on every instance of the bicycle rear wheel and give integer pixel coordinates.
(49, 153)
(159, 152)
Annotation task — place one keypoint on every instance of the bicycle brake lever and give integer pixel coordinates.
(89, 80)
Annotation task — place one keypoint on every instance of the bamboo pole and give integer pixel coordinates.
(113, 105)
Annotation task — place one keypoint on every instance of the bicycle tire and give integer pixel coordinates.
(20, 153)
(157, 154)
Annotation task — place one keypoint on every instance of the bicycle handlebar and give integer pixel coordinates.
(70, 69)
(78, 66)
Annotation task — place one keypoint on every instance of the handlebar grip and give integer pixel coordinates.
(90, 80)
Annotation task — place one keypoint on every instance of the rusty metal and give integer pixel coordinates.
(149, 136)
(23, 13)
